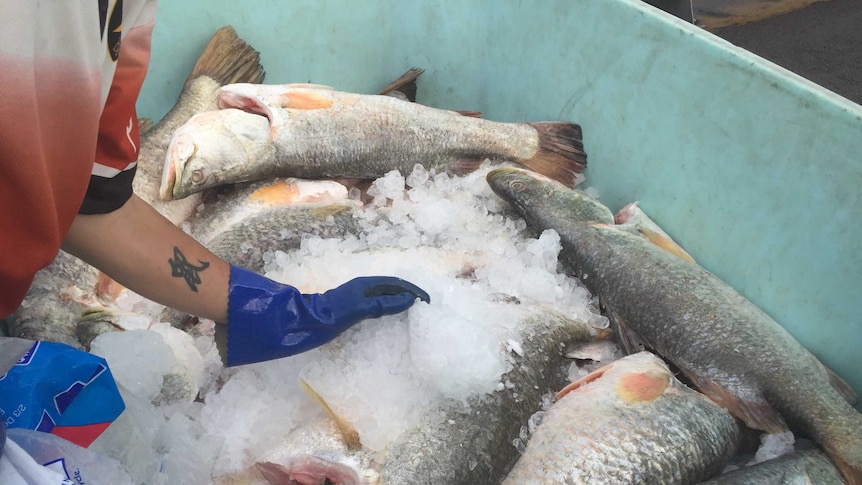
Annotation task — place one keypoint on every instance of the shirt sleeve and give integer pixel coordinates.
(119, 140)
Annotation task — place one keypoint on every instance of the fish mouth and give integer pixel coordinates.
(311, 470)
(180, 151)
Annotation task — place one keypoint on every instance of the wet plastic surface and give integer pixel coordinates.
(752, 169)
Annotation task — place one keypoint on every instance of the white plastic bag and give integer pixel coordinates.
(37, 458)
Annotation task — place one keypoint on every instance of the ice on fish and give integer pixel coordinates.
(447, 234)
(773, 445)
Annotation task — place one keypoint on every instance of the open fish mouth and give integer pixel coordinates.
(181, 151)
(312, 470)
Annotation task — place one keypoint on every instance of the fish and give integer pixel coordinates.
(227, 59)
(271, 215)
(265, 131)
(455, 444)
(629, 422)
(61, 291)
(726, 346)
(810, 466)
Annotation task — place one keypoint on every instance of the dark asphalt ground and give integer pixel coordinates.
(821, 42)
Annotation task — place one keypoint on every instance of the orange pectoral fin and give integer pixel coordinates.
(276, 195)
(665, 243)
(305, 100)
(642, 386)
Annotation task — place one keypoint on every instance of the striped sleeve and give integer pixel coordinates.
(119, 141)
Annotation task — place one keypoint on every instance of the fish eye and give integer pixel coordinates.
(198, 176)
(517, 185)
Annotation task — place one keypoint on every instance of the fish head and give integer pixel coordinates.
(215, 148)
(316, 452)
(519, 187)
(315, 469)
(535, 195)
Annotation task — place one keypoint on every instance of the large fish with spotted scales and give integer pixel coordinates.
(266, 131)
(725, 345)
(629, 422)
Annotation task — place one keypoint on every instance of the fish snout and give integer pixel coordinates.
(178, 168)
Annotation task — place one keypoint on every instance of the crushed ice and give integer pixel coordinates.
(451, 236)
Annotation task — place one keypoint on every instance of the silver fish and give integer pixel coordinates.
(629, 422)
(453, 445)
(288, 131)
(808, 467)
(730, 349)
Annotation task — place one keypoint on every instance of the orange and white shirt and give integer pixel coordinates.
(70, 74)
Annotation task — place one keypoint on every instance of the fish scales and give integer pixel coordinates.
(456, 443)
(283, 131)
(729, 348)
(397, 136)
(281, 229)
(604, 433)
(796, 468)
(477, 446)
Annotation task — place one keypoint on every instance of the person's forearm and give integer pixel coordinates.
(143, 251)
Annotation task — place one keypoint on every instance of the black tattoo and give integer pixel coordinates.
(180, 267)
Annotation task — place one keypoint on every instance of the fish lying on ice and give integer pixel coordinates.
(456, 444)
(796, 468)
(61, 291)
(320, 133)
(629, 422)
(264, 214)
(227, 59)
(729, 348)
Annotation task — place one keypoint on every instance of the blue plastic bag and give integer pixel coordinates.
(57, 389)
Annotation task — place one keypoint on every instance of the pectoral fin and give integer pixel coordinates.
(666, 243)
(753, 409)
(305, 99)
(350, 435)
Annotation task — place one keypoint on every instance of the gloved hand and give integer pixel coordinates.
(268, 320)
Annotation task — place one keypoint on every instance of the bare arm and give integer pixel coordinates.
(143, 251)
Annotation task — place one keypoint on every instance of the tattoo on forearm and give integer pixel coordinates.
(181, 268)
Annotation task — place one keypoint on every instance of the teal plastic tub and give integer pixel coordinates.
(754, 170)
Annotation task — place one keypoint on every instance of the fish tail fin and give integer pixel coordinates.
(841, 386)
(405, 84)
(852, 474)
(561, 153)
(837, 427)
(227, 59)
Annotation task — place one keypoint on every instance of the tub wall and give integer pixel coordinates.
(755, 171)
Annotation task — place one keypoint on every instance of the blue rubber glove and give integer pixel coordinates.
(269, 320)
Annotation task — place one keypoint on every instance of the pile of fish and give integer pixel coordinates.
(232, 163)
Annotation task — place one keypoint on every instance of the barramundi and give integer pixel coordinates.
(730, 349)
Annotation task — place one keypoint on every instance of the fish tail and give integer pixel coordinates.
(406, 84)
(227, 59)
(561, 153)
(837, 427)
(849, 466)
